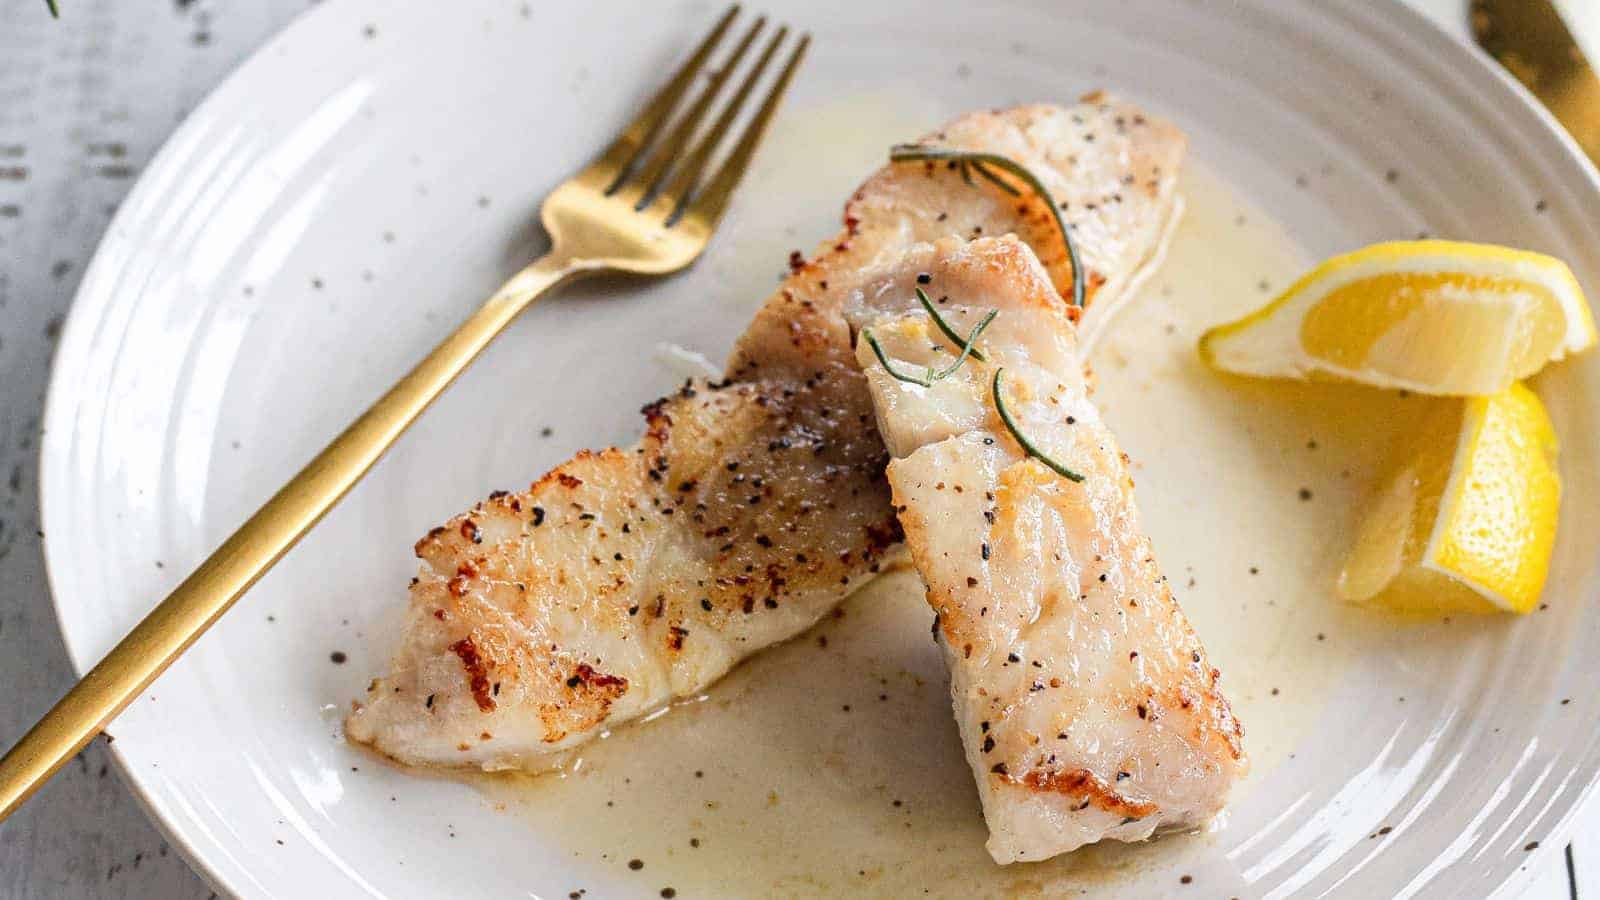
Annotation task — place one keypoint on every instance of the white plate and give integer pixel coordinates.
(360, 183)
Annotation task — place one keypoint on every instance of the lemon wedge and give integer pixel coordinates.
(1467, 520)
(1436, 317)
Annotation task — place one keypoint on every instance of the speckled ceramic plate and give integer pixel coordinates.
(361, 182)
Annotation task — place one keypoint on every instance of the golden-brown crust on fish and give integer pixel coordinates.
(644, 570)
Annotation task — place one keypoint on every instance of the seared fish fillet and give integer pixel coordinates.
(626, 578)
(1085, 701)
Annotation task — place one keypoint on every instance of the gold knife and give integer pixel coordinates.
(1532, 41)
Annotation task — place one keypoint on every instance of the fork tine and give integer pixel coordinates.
(712, 201)
(612, 165)
(665, 152)
(688, 173)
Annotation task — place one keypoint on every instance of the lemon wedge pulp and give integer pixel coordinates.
(1466, 522)
(1436, 317)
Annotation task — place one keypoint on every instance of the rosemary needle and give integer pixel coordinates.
(866, 334)
(966, 347)
(1027, 445)
(996, 180)
(922, 297)
(971, 159)
(54, 12)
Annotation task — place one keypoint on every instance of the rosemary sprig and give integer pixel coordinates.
(931, 376)
(922, 297)
(54, 13)
(1027, 445)
(968, 160)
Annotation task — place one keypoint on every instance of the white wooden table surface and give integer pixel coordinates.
(84, 103)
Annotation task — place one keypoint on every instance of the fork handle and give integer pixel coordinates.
(259, 543)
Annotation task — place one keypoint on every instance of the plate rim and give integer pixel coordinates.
(56, 387)
(1480, 74)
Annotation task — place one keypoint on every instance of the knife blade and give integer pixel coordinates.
(1531, 40)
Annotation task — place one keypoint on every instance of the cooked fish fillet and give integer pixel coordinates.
(626, 578)
(1085, 700)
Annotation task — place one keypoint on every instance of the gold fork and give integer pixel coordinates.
(647, 205)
